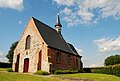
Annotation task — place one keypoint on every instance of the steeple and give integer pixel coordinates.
(58, 25)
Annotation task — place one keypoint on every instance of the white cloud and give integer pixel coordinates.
(13, 4)
(2, 57)
(93, 65)
(1, 53)
(87, 11)
(108, 44)
(20, 22)
(80, 51)
(65, 2)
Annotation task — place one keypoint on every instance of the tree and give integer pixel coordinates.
(112, 60)
(11, 52)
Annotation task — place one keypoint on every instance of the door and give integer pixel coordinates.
(39, 60)
(17, 63)
(26, 65)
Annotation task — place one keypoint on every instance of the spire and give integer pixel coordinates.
(58, 25)
(58, 21)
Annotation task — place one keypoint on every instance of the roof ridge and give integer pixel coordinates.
(42, 23)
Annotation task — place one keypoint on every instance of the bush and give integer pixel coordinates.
(9, 70)
(65, 71)
(112, 60)
(5, 65)
(104, 70)
(116, 70)
(40, 72)
(87, 70)
(113, 70)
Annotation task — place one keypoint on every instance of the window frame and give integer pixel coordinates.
(69, 58)
(58, 57)
(28, 42)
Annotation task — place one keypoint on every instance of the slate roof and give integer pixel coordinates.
(53, 39)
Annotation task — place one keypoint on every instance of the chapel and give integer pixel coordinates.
(42, 47)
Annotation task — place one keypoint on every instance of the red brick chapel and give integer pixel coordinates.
(42, 47)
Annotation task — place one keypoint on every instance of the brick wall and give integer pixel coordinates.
(63, 63)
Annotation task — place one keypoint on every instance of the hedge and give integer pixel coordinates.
(65, 71)
(9, 70)
(40, 72)
(113, 70)
(5, 65)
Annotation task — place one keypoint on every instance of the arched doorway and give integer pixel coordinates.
(26, 65)
(17, 63)
(39, 60)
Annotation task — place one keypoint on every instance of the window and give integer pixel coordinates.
(58, 57)
(69, 58)
(77, 62)
(28, 39)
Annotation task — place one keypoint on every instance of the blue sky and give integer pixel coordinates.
(92, 26)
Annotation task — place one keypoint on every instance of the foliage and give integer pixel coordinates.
(11, 52)
(9, 70)
(65, 71)
(112, 60)
(113, 70)
(5, 65)
(116, 70)
(40, 72)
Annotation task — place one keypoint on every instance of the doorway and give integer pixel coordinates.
(17, 63)
(26, 65)
(39, 60)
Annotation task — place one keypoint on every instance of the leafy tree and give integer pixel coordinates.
(112, 60)
(11, 52)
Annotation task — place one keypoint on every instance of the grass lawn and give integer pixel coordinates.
(91, 76)
(3, 69)
(12, 76)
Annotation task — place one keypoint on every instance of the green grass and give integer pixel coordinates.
(12, 76)
(3, 69)
(92, 76)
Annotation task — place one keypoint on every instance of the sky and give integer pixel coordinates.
(92, 26)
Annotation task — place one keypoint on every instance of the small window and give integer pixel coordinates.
(77, 62)
(28, 39)
(58, 57)
(69, 58)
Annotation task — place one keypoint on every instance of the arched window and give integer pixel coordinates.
(28, 39)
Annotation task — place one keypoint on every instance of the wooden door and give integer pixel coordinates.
(26, 65)
(17, 63)
(39, 60)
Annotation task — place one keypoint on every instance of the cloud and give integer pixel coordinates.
(65, 2)
(2, 57)
(93, 65)
(108, 44)
(13, 4)
(20, 22)
(80, 51)
(88, 11)
(1, 53)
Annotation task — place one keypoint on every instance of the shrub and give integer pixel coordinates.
(113, 70)
(116, 70)
(5, 65)
(9, 70)
(65, 71)
(112, 60)
(40, 72)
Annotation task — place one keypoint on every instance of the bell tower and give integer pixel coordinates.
(58, 25)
